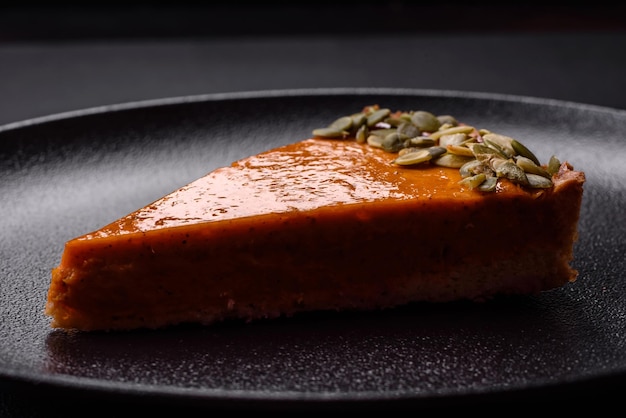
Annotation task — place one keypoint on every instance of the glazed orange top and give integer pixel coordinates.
(302, 176)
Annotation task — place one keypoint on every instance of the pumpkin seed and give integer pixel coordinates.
(452, 139)
(330, 133)
(419, 155)
(408, 129)
(361, 134)
(377, 116)
(523, 151)
(436, 151)
(497, 148)
(459, 150)
(413, 158)
(451, 160)
(406, 150)
(481, 156)
(463, 129)
(483, 152)
(393, 142)
(473, 181)
(394, 121)
(538, 182)
(470, 168)
(501, 142)
(529, 166)
(448, 120)
(340, 128)
(342, 124)
(375, 141)
(406, 116)
(497, 162)
(358, 120)
(511, 171)
(382, 132)
(554, 165)
(489, 185)
(422, 141)
(425, 121)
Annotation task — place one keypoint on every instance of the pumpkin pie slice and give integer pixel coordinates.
(377, 210)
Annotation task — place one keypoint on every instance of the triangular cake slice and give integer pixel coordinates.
(342, 221)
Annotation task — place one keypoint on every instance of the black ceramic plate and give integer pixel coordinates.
(69, 174)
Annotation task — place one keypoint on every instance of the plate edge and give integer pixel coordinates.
(305, 92)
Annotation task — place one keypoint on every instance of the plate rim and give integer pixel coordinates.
(305, 92)
(181, 394)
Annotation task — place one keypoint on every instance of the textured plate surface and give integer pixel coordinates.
(68, 174)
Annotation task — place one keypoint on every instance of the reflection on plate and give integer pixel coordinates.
(62, 176)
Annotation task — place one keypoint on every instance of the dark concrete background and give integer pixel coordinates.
(65, 56)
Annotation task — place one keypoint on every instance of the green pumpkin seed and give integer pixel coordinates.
(463, 129)
(511, 171)
(470, 168)
(500, 142)
(425, 121)
(538, 182)
(451, 160)
(483, 152)
(452, 139)
(406, 116)
(377, 116)
(554, 165)
(358, 120)
(361, 134)
(394, 121)
(529, 166)
(447, 120)
(436, 151)
(342, 124)
(489, 185)
(413, 158)
(408, 129)
(375, 141)
(523, 151)
(459, 150)
(383, 132)
(330, 133)
(499, 150)
(473, 181)
(406, 150)
(497, 162)
(393, 142)
(422, 141)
